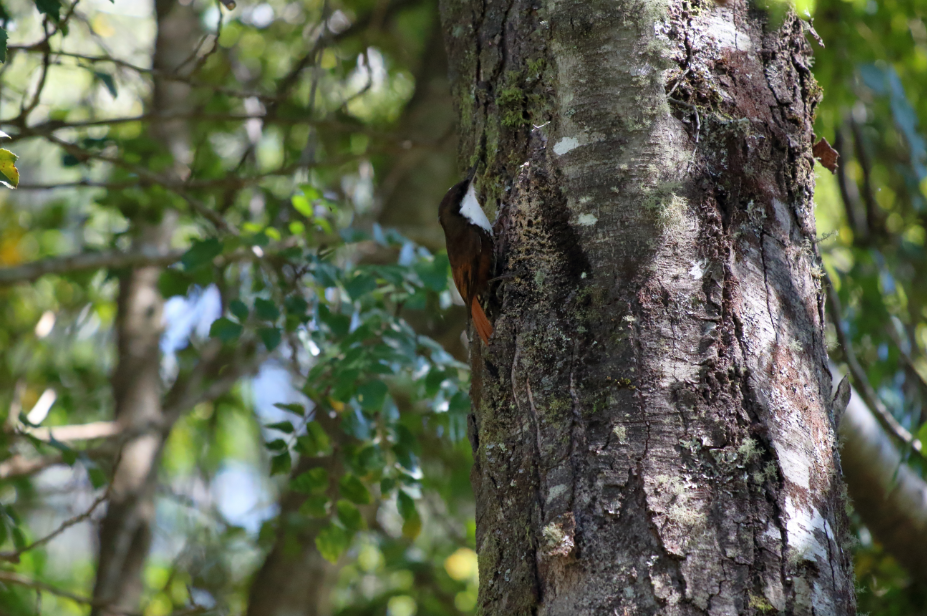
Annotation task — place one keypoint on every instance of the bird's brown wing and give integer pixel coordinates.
(471, 275)
(468, 270)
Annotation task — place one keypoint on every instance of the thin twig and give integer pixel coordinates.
(29, 272)
(862, 382)
(13, 557)
(905, 356)
(14, 578)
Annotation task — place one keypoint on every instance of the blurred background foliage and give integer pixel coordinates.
(318, 138)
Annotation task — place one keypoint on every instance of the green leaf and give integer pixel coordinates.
(313, 481)
(3, 38)
(310, 192)
(292, 407)
(371, 395)
(350, 516)
(239, 309)
(354, 490)
(434, 274)
(225, 330)
(173, 282)
(315, 506)
(406, 505)
(19, 539)
(8, 168)
(325, 274)
(52, 8)
(302, 205)
(315, 442)
(280, 464)
(283, 426)
(338, 323)
(412, 521)
(360, 285)
(433, 381)
(344, 385)
(97, 476)
(108, 81)
(270, 336)
(370, 459)
(278, 444)
(296, 305)
(922, 434)
(201, 253)
(331, 542)
(266, 309)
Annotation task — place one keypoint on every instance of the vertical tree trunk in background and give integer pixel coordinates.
(125, 532)
(654, 432)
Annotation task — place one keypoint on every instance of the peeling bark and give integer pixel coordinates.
(653, 431)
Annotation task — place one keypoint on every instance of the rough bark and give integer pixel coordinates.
(125, 532)
(654, 431)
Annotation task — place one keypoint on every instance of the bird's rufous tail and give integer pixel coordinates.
(483, 326)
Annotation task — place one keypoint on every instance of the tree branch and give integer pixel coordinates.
(20, 580)
(859, 375)
(29, 272)
(890, 497)
(139, 257)
(13, 557)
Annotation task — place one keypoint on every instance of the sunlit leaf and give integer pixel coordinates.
(354, 490)
(315, 506)
(332, 541)
(412, 521)
(8, 168)
(350, 516)
(315, 442)
(302, 205)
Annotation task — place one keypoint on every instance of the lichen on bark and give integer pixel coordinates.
(652, 431)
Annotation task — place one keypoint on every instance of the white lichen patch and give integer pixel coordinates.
(565, 145)
(697, 270)
(796, 464)
(727, 34)
(801, 527)
(621, 433)
(556, 491)
(587, 220)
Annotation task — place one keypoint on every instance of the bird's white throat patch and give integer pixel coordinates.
(471, 210)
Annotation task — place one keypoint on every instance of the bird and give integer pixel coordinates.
(469, 239)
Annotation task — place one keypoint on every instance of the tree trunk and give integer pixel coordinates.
(653, 426)
(125, 532)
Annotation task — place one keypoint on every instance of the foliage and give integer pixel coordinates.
(290, 128)
(874, 214)
(276, 263)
